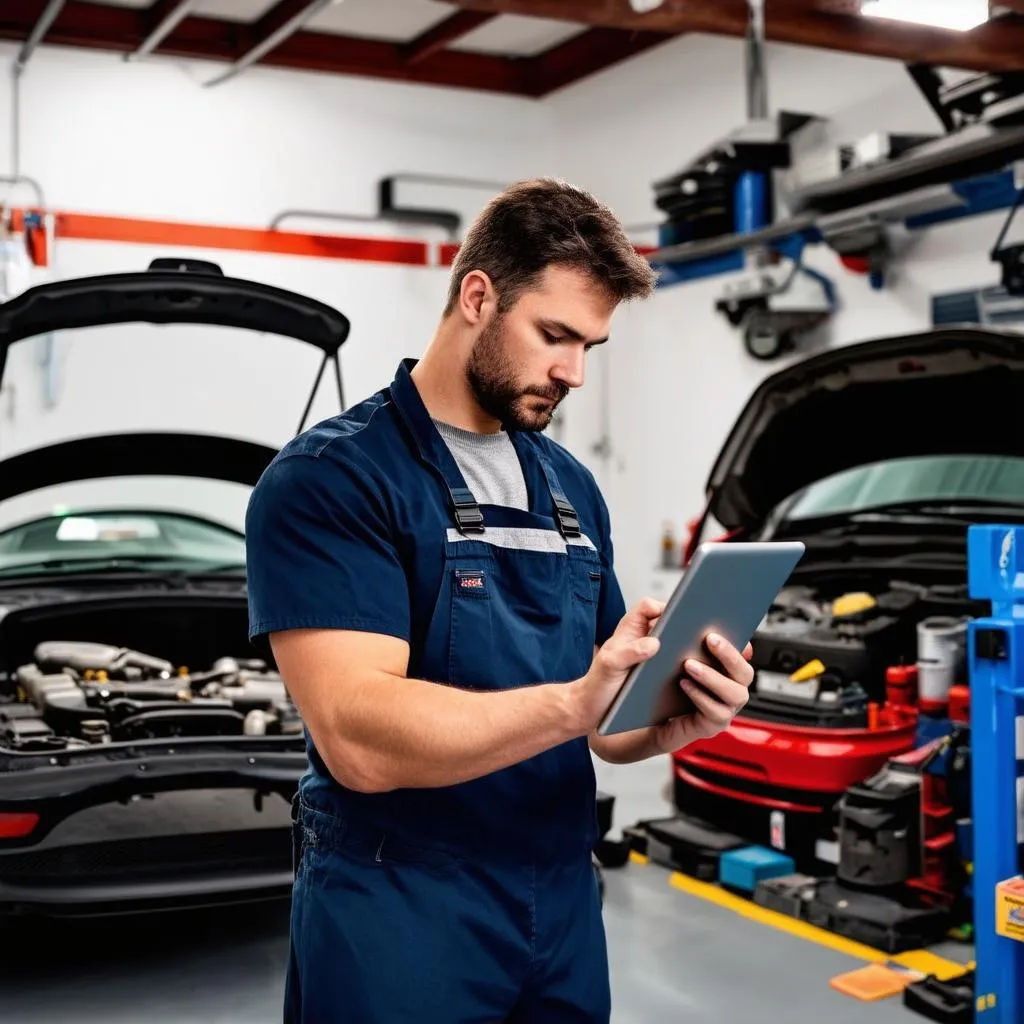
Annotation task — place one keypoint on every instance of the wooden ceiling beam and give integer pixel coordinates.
(436, 39)
(583, 55)
(993, 47)
(123, 29)
(372, 58)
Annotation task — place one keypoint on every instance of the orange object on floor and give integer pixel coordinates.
(874, 981)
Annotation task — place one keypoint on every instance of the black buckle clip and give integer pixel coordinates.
(468, 517)
(568, 522)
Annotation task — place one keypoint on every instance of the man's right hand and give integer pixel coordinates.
(629, 645)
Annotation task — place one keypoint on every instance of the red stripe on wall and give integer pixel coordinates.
(96, 228)
(446, 255)
(205, 236)
(92, 228)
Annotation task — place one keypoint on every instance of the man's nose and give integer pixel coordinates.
(570, 370)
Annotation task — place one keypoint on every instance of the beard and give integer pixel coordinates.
(492, 378)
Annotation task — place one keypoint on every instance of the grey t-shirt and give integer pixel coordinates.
(490, 465)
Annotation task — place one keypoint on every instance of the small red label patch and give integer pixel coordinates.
(471, 582)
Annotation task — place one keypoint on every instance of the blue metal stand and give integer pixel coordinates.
(995, 559)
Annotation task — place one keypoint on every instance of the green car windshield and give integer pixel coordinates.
(119, 540)
(942, 479)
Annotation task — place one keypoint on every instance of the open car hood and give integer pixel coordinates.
(177, 291)
(197, 456)
(957, 391)
(170, 291)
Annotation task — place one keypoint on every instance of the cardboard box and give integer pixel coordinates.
(1010, 908)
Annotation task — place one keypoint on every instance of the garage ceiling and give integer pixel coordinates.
(523, 47)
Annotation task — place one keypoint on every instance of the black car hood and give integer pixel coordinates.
(166, 295)
(170, 291)
(201, 456)
(177, 291)
(949, 391)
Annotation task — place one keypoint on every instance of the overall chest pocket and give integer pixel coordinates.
(586, 579)
(472, 633)
(515, 619)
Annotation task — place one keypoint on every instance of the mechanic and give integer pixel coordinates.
(434, 577)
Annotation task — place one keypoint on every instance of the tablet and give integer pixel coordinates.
(727, 588)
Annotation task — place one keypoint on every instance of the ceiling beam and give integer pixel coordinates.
(585, 54)
(123, 30)
(436, 39)
(318, 51)
(993, 47)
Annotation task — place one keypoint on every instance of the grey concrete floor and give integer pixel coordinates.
(673, 956)
(679, 958)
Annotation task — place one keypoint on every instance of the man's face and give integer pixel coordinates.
(525, 361)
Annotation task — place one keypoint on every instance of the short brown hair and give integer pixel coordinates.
(543, 222)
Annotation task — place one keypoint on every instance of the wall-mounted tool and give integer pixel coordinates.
(775, 305)
(390, 212)
(848, 194)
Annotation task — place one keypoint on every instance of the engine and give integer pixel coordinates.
(76, 694)
(824, 656)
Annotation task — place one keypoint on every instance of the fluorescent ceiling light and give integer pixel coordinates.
(962, 15)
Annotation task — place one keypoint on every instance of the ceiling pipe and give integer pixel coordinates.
(170, 22)
(757, 81)
(41, 27)
(21, 179)
(289, 28)
(39, 30)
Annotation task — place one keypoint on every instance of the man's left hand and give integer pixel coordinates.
(718, 694)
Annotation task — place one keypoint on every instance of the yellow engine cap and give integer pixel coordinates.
(850, 604)
(811, 670)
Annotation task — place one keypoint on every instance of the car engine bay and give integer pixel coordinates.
(77, 694)
(825, 654)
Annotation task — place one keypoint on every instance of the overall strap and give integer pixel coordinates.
(430, 445)
(565, 514)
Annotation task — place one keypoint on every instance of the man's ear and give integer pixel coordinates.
(476, 293)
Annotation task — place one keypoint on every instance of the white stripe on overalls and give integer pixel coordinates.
(523, 539)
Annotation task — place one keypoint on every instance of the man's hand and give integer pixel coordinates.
(718, 693)
(629, 645)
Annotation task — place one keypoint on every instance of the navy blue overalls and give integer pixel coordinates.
(476, 902)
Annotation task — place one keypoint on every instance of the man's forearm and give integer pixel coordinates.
(626, 747)
(391, 732)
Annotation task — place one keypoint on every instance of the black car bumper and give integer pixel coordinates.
(150, 827)
(110, 899)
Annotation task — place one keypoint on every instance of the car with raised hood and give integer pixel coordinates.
(148, 753)
(878, 456)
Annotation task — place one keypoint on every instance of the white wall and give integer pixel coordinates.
(146, 140)
(679, 374)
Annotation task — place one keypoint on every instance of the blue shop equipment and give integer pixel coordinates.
(995, 566)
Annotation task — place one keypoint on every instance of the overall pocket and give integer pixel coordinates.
(585, 570)
(472, 626)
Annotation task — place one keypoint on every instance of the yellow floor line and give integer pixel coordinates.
(918, 960)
